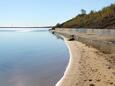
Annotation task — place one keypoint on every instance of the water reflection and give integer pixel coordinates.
(57, 36)
(31, 59)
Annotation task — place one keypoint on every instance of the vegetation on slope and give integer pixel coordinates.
(104, 18)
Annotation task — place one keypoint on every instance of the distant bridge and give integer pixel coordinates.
(29, 27)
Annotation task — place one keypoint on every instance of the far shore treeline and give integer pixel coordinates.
(104, 18)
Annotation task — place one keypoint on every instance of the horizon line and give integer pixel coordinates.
(27, 27)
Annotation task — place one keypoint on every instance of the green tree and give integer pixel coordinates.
(83, 11)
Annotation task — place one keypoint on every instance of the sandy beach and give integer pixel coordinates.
(88, 67)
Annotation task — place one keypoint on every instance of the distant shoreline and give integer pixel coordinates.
(28, 27)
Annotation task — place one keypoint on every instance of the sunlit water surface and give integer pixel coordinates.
(31, 58)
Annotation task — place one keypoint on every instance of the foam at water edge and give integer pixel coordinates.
(70, 60)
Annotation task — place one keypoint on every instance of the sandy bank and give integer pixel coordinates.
(97, 38)
(88, 67)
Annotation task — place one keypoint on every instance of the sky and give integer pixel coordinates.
(44, 12)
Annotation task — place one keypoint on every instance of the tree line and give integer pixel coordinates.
(104, 18)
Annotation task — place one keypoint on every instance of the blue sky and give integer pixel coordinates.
(44, 12)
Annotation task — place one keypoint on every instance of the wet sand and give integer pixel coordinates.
(88, 67)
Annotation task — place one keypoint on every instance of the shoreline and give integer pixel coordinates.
(69, 63)
(87, 66)
(65, 81)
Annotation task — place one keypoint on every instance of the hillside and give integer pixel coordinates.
(104, 18)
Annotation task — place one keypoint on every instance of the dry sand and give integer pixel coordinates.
(88, 67)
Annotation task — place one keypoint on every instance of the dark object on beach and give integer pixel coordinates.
(91, 85)
(109, 67)
(71, 38)
(98, 80)
(90, 79)
(111, 83)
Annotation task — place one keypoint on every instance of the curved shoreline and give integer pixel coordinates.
(87, 66)
(72, 70)
(69, 63)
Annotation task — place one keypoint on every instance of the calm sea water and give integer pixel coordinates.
(31, 58)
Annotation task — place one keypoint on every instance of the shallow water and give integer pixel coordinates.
(31, 58)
